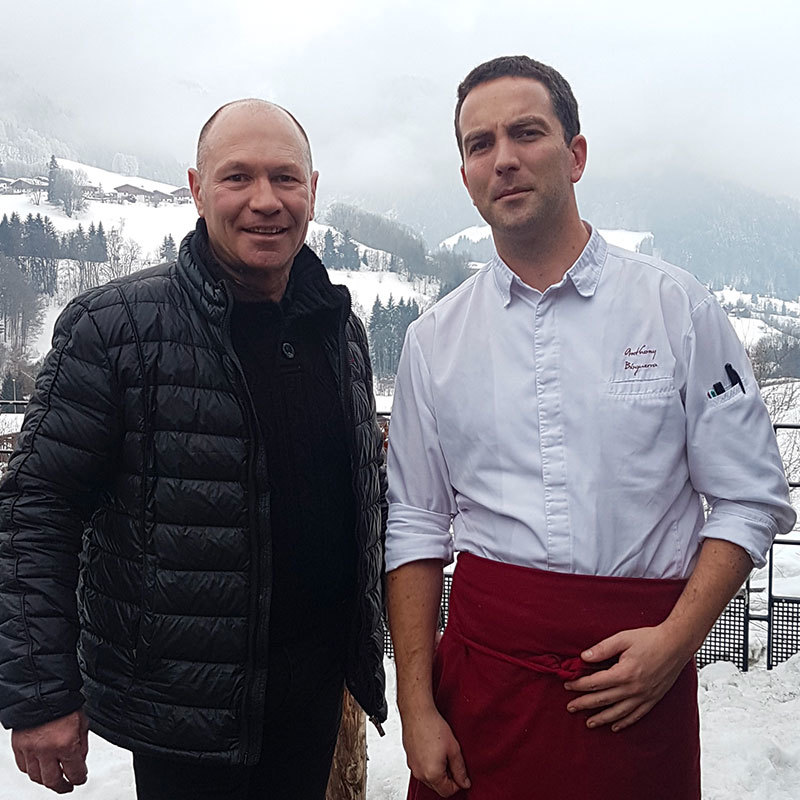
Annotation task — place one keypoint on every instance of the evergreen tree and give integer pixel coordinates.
(450, 267)
(52, 180)
(20, 306)
(381, 233)
(377, 339)
(5, 236)
(348, 252)
(387, 331)
(95, 245)
(11, 235)
(330, 255)
(168, 251)
(76, 249)
(101, 244)
(8, 390)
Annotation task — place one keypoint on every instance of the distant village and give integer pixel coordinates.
(125, 193)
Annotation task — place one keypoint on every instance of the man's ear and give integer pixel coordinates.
(578, 149)
(466, 183)
(314, 177)
(194, 186)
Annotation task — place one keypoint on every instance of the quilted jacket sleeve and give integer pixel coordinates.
(378, 451)
(64, 453)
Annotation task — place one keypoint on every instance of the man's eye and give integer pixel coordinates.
(528, 133)
(477, 146)
(286, 178)
(237, 178)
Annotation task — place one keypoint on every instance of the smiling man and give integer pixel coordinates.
(564, 410)
(201, 460)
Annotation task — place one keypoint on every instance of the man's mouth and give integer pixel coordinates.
(263, 230)
(511, 192)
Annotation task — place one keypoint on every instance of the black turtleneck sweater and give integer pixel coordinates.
(302, 428)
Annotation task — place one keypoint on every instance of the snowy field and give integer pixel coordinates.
(139, 221)
(749, 730)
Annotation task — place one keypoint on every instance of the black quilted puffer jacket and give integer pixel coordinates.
(134, 479)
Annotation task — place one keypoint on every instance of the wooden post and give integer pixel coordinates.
(348, 780)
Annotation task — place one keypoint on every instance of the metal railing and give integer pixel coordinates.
(783, 611)
(13, 406)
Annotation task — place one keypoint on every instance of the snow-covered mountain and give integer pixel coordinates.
(148, 224)
(106, 180)
(752, 316)
(637, 241)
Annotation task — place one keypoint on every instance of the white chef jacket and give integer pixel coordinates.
(574, 430)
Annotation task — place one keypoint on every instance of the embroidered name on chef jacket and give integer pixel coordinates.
(639, 359)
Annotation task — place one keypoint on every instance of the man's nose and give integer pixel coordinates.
(505, 155)
(263, 197)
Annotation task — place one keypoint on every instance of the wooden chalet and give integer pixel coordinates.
(133, 191)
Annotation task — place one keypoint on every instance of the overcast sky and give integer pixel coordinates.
(714, 84)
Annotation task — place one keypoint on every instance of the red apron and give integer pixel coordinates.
(513, 637)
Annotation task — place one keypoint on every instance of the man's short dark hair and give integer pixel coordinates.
(564, 103)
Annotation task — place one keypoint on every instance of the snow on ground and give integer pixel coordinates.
(733, 296)
(383, 403)
(749, 738)
(365, 286)
(749, 724)
(107, 181)
(750, 330)
(786, 571)
(144, 223)
(629, 240)
(10, 423)
(475, 233)
(45, 338)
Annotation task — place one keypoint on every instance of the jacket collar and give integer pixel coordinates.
(584, 274)
(309, 289)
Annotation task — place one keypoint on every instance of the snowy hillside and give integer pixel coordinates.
(752, 316)
(145, 224)
(637, 241)
(105, 180)
(750, 330)
(148, 225)
(475, 233)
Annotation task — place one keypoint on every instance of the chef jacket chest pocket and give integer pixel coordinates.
(641, 423)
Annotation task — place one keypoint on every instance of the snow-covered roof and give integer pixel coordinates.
(28, 183)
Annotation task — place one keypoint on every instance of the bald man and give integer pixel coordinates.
(201, 462)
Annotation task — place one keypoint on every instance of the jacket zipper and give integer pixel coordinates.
(260, 559)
